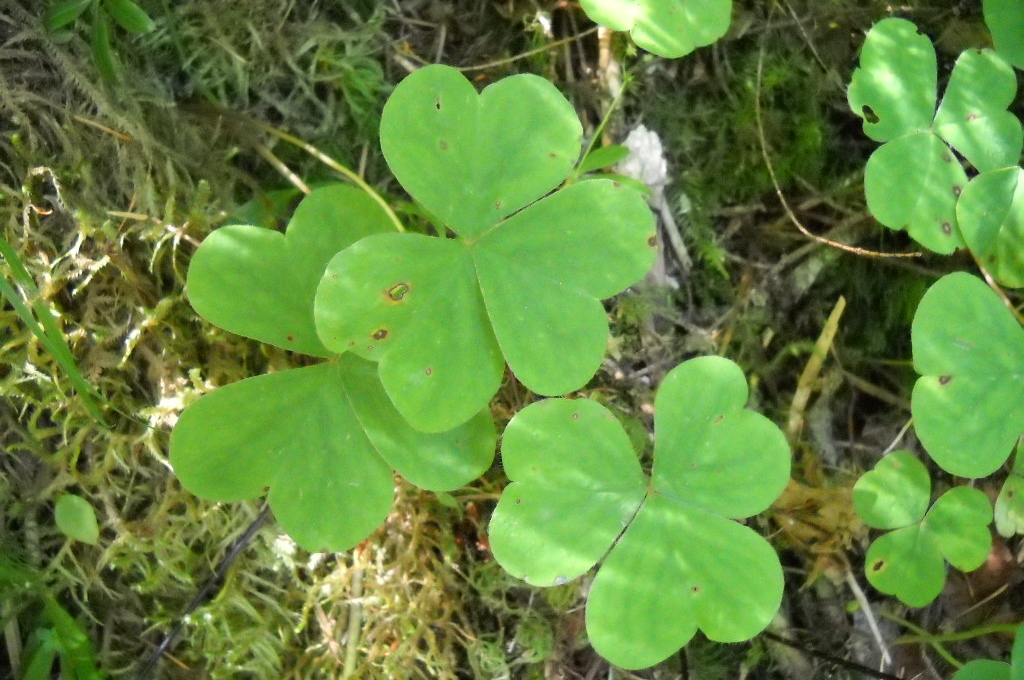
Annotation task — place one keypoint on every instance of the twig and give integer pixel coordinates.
(778, 189)
(268, 155)
(529, 53)
(204, 592)
(852, 665)
(865, 606)
(333, 165)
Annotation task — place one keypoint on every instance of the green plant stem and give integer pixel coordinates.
(333, 165)
(925, 637)
(960, 635)
(529, 53)
(355, 623)
(597, 131)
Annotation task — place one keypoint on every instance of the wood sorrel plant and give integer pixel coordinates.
(968, 347)
(415, 331)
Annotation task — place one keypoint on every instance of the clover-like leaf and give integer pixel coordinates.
(516, 284)
(680, 562)
(668, 28)
(991, 216)
(1009, 508)
(260, 283)
(912, 182)
(1005, 20)
(908, 562)
(968, 406)
(323, 438)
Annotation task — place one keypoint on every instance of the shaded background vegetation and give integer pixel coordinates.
(139, 171)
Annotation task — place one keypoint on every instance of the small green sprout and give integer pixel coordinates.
(908, 561)
(913, 180)
(968, 405)
(668, 28)
(673, 559)
(76, 518)
(522, 279)
(1009, 508)
(325, 437)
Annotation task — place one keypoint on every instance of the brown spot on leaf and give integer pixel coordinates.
(380, 334)
(352, 343)
(718, 418)
(956, 190)
(877, 566)
(444, 145)
(947, 157)
(575, 416)
(290, 337)
(947, 228)
(944, 379)
(695, 589)
(497, 204)
(518, 501)
(437, 103)
(652, 241)
(972, 116)
(429, 371)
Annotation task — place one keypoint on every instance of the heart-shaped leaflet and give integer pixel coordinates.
(248, 279)
(968, 404)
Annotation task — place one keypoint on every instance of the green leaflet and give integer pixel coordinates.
(677, 561)
(1006, 22)
(908, 561)
(991, 216)
(1009, 508)
(523, 278)
(968, 404)
(76, 518)
(913, 180)
(260, 283)
(668, 28)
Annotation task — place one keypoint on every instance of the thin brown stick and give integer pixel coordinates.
(530, 53)
(778, 189)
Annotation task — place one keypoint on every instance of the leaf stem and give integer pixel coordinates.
(926, 637)
(334, 165)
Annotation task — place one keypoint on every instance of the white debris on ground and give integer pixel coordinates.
(646, 162)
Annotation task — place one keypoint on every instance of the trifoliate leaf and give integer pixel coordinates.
(76, 518)
(908, 562)
(968, 406)
(521, 279)
(991, 216)
(912, 182)
(668, 28)
(682, 563)
(260, 283)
